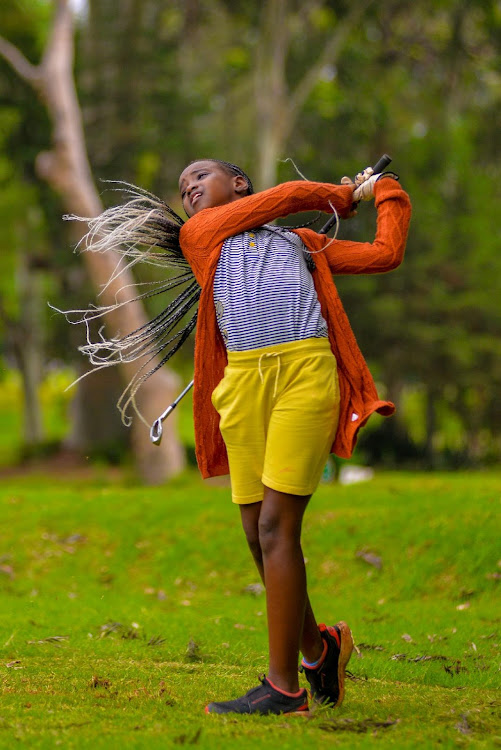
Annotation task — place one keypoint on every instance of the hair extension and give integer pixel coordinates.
(144, 229)
(145, 222)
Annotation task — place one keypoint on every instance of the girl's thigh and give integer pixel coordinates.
(302, 428)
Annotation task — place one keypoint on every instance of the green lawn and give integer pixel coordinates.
(124, 609)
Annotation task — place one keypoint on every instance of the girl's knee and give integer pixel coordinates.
(268, 528)
(280, 520)
(275, 531)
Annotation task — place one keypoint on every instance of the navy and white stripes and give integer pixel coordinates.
(263, 291)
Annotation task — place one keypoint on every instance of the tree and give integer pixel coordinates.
(65, 167)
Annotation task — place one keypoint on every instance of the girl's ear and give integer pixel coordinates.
(240, 184)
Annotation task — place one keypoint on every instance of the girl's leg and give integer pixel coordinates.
(311, 641)
(273, 530)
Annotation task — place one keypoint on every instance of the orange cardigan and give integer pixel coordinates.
(201, 239)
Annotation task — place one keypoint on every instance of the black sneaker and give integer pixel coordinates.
(263, 699)
(327, 680)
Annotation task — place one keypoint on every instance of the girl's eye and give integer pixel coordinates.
(199, 177)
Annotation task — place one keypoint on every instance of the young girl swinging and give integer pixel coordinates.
(279, 379)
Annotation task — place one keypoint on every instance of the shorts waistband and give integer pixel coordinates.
(288, 351)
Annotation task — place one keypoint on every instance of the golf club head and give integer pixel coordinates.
(156, 432)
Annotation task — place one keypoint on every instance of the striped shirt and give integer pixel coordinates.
(263, 291)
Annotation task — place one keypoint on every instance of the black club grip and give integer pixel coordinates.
(381, 164)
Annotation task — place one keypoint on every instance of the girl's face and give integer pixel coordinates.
(205, 184)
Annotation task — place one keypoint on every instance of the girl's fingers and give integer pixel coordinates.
(363, 176)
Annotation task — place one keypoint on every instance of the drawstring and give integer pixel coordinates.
(270, 354)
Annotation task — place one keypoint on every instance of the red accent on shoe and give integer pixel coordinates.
(324, 654)
(332, 631)
(263, 697)
(284, 692)
(207, 710)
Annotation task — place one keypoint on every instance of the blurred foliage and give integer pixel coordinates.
(162, 82)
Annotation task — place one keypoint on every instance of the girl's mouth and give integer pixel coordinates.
(195, 197)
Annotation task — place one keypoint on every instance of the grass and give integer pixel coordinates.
(124, 609)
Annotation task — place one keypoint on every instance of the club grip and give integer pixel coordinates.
(381, 164)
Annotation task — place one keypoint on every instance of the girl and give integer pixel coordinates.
(271, 341)
(279, 379)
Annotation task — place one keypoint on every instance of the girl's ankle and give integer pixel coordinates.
(288, 687)
(314, 663)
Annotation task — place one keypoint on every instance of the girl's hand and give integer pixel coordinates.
(363, 176)
(363, 187)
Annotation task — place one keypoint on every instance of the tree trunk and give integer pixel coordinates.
(29, 351)
(65, 167)
(96, 427)
(271, 91)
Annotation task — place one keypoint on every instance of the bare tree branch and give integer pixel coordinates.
(18, 62)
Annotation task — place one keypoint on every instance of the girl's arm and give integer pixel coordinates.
(214, 225)
(387, 250)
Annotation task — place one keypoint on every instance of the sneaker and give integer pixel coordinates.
(263, 699)
(327, 680)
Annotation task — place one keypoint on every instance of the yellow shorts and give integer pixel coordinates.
(279, 409)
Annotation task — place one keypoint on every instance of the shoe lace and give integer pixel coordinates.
(262, 680)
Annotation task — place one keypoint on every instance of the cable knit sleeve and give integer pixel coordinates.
(387, 250)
